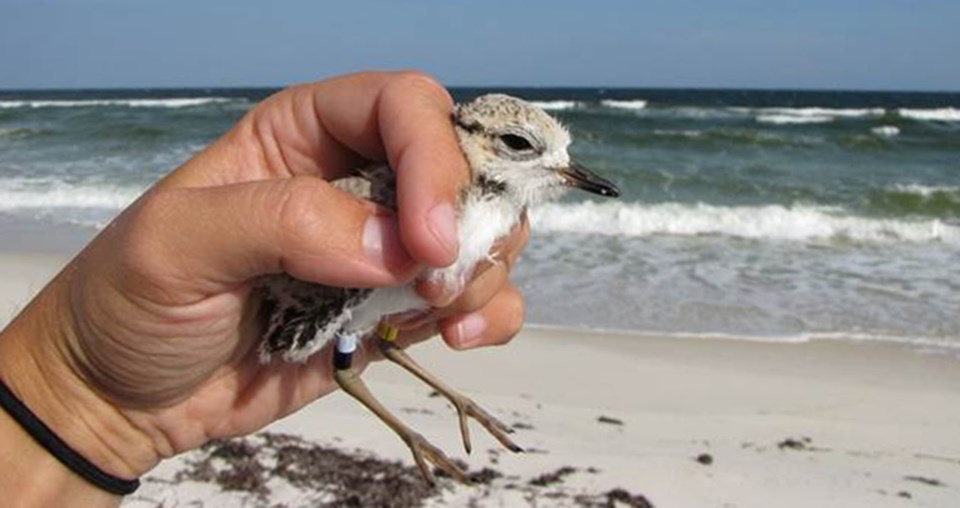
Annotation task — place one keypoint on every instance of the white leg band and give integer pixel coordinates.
(346, 343)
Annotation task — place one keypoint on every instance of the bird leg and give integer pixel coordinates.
(464, 405)
(423, 451)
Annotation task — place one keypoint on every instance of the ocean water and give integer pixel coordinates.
(772, 215)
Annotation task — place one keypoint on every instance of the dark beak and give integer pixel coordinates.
(582, 178)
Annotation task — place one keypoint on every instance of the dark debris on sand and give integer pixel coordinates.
(609, 420)
(552, 478)
(330, 477)
(243, 472)
(803, 443)
(794, 444)
(705, 458)
(932, 482)
(334, 478)
(616, 498)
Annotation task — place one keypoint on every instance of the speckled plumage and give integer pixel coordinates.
(517, 156)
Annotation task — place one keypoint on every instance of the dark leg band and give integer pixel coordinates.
(342, 361)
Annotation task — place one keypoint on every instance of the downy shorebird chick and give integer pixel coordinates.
(518, 157)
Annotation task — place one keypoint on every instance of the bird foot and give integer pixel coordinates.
(467, 408)
(425, 453)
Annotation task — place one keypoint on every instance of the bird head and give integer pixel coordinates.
(515, 147)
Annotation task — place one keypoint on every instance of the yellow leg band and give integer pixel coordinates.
(387, 332)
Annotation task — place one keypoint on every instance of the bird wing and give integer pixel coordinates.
(375, 182)
(298, 316)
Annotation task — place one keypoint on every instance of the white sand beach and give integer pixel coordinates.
(685, 422)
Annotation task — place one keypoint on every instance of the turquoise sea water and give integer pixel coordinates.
(771, 214)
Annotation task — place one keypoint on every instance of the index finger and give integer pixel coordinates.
(421, 145)
(330, 127)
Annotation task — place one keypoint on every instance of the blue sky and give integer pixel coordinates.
(846, 44)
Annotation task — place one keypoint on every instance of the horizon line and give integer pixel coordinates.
(499, 86)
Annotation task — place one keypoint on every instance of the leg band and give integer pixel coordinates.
(343, 353)
(387, 331)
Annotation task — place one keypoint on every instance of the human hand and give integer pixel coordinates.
(144, 345)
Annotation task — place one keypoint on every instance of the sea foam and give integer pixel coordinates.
(823, 112)
(886, 131)
(555, 105)
(931, 115)
(808, 115)
(633, 104)
(131, 103)
(771, 222)
(789, 119)
(84, 204)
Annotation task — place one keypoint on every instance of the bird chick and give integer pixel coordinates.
(517, 155)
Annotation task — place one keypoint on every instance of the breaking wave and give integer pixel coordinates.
(130, 103)
(788, 119)
(771, 222)
(934, 115)
(808, 115)
(556, 105)
(84, 204)
(634, 104)
(886, 131)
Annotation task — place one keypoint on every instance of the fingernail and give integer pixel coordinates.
(442, 221)
(470, 328)
(381, 241)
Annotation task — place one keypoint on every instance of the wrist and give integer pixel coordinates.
(37, 369)
(30, 476)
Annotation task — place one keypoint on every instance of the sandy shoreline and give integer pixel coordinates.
(810, 424)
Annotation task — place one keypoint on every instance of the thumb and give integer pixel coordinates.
(207, 240)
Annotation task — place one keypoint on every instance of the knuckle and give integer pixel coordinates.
(429, 291)
(472, 300)
(483, 289)
(157, 205)
(144, 254)
(154, 209)
(422, 83)
(297, 212)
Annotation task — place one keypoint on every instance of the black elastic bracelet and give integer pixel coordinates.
(62, 451)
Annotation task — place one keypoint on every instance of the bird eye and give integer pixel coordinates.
(515, 142)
